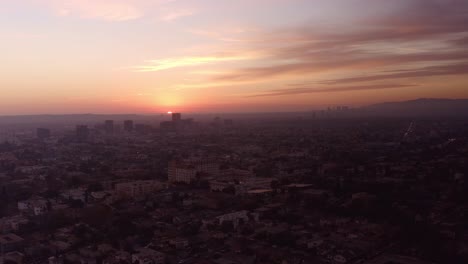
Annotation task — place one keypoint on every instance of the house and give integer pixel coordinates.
(234, 217)
(137, 189)
(396, 259)
(14, 257)
(148, 256)
(10, 242)
(12, 223)
(179, 243)
(74, 194)
(118, 258)
(36, 206)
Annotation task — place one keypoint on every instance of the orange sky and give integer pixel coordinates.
(147, 56)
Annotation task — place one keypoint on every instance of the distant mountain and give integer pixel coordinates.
(420, 107)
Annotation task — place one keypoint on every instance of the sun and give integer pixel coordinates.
(169, 112)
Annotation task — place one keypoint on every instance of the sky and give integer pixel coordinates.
(152, 56)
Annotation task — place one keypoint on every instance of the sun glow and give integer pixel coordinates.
(169, 101)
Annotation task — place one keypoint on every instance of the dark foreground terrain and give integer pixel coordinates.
(310, 188)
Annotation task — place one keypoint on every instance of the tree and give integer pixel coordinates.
(227, 227)
(97, 216)
(76, 203)
(95, 187)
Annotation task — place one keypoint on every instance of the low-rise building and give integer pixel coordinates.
(12, 223)
(234, 217)
(181, 172)
(137, 189)
(34, 206)
(10, 242)
(148, 256)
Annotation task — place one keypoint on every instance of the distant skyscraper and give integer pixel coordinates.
(43, 133)
(109, 126)
(82, 132)
(128, 125)
(176, 117)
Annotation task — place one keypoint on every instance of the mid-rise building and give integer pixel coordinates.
(176, 117)
(128, 125)
(82, 132)
(181, 172)
(109, 126)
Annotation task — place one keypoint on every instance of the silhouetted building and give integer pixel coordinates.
(43, 133)
(128, 125)
(177, 124)
(167, 126)
(82, 132)
(109, 126)
(142, 128)
(176, 117)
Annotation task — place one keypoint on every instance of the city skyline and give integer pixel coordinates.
(143, 56)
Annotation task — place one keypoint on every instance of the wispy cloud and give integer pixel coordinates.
(177, 14)
(325, 89)
(403, 45)
(327, 61)
(455, 69)
(411, 38)
(117, 10)
(237, 34)
(107, 10)
(164, 64)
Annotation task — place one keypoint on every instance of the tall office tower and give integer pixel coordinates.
(109, 126)
(128, 125)
(43, 133)
(82, 132)
(176, 117)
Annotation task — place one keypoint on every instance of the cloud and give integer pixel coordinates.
(164, 64)
(455, 69)
(226, 34)
(425, 33)
(174, 15)
(326, 61)
(108, 10)
(462, 42)
(309, 90)
(423, 38)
